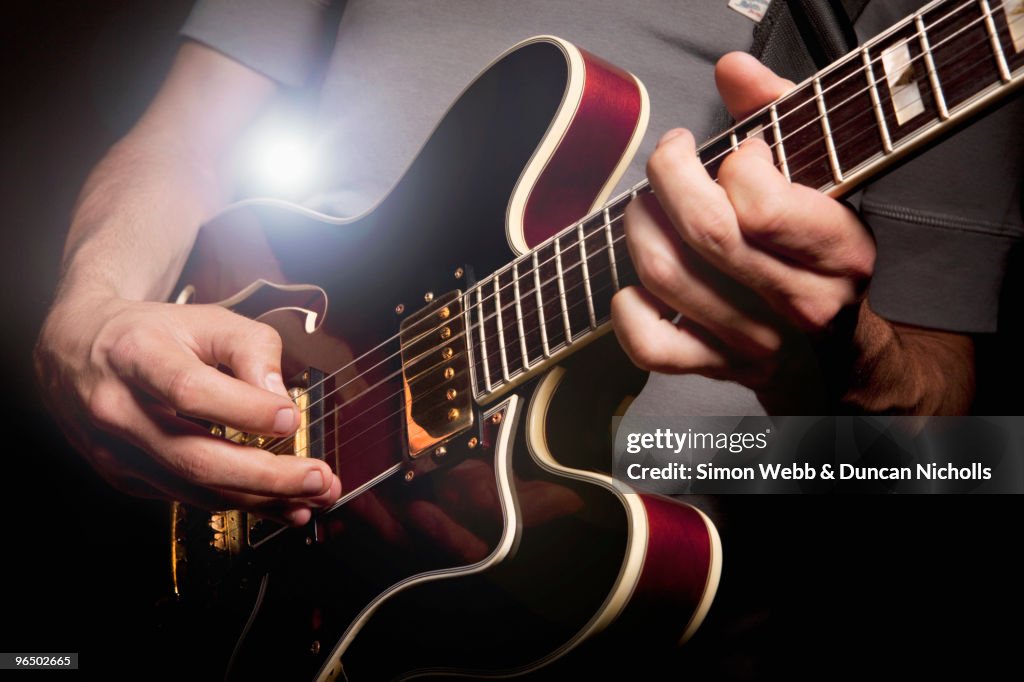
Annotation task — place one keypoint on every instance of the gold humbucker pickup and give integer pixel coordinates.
(435, 373)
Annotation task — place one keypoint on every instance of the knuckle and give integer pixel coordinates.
(644, 354)
(265, 335)
(104, 407)
(816, 314)
(667, 159)
(192, 467)
(714, 227)
(181, 390)
(764, 215)
(861, 263)
(658, 272)
(127, 349)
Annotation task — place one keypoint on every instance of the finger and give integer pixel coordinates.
(746, 84)
(688, 285)
(189, 452)
(251, 349)
(130, 471)
(169, 370)
(697, 207)
(656, 344)
(704, 218)
(794, 221)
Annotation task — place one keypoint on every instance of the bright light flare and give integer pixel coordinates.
(280, 163)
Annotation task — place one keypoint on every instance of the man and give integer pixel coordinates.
(761, 271)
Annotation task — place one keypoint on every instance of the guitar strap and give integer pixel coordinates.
(796, 38)
(799, 37)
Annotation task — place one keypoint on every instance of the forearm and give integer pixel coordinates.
(138, 214)
(137, 217)
(899, 369)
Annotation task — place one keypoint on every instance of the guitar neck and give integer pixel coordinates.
(921, 79)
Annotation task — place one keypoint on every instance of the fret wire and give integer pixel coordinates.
(540, 309)
(611, 247)
(467, 314)
(997, 47)
(826, 130)
(483, 338)
(876, 101)
(501, 331)
(585, 272)
(933, 76)
(519, 316)
(733, 140)
(561, 292)
(633, 192)
(780, 151)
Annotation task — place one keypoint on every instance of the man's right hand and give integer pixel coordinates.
(122, 377)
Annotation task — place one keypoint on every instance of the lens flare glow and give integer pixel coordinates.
(281, 163)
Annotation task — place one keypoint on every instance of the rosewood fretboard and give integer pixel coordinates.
(937, 68)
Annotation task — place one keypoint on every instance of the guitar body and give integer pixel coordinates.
(504, 545)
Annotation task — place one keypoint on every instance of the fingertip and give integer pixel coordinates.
(298, 516)
(758, 147)
(678, 134)
(313, 483)
(285, 421)
(335, 490)
(671, 135)
(735, 59)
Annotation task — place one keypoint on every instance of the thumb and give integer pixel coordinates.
(746, 84)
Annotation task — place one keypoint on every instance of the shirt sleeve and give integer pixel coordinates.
(946, 225)
(281, 39)
(948, 221)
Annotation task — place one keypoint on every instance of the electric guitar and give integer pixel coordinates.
(444, 346)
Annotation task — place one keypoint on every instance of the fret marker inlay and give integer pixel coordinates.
(1015, 20)
(899, 74)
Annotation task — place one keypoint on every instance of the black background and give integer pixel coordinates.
(829, 586)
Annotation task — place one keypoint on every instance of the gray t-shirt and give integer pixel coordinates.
(944, 234)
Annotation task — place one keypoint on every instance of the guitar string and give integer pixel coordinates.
(508, 287)
(527, 331)
(497, 353)
(398, 372)
(383, 420)
(869, 113)
(500, 288)
(831, 109)
(484, 334)
(812, 121)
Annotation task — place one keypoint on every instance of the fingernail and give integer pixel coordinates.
(284, 422)
(313, 482)
(275, 384)
(670, 135)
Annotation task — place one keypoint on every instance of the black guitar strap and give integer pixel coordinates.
(798, 37)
